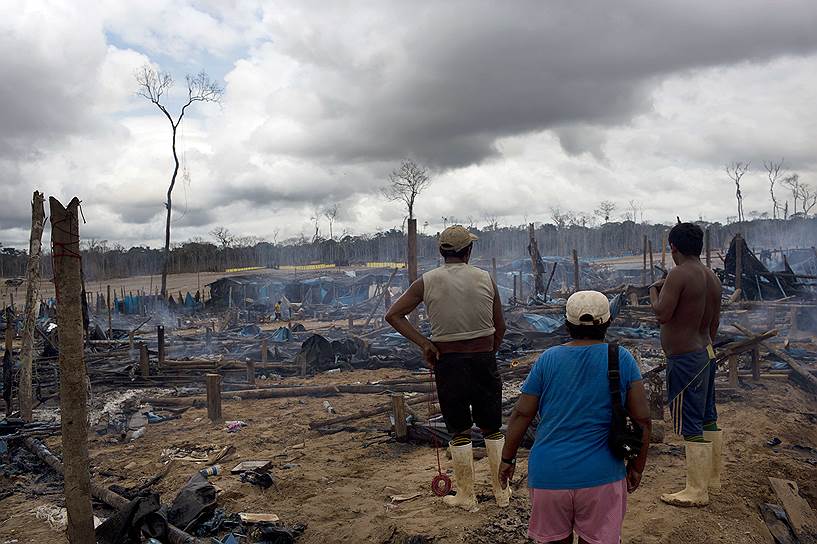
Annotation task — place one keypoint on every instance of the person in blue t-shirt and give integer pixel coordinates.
(576, 482)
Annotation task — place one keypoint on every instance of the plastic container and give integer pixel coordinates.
(214, 470)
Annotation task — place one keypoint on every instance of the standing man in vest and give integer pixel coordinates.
(467, 326)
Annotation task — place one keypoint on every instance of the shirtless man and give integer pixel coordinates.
(688, 306)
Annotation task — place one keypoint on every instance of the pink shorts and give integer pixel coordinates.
(594, 513)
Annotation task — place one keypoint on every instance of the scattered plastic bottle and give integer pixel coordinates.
(214, 470)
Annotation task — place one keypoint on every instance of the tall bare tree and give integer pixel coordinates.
(153, 85)
(223, 235)
(406, 183)
(316, 217)
(736, 171)
(773, 171)
(793, 183)
(808, 197)
(330, 213)
(605, 210)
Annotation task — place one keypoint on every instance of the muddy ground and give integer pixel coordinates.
(341, 485)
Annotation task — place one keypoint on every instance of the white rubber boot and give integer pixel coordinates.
(494, 450)
(716, 437)
(699, 469)
(463, 459)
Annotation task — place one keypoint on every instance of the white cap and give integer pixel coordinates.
(587, 308)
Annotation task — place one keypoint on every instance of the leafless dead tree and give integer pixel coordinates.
(773, 171)
(316, 217)
(793, 183)
(736, 171)
(153, 85)
(406, 183)
(330, 214)
(808, 197)
(223, 235)
(605, 209)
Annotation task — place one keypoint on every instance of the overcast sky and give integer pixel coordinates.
(516, 107)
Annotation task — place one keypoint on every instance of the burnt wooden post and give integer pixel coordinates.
(411, 257)
(110, 329)
(514, 287)
(652, 265)
(493, 268)
(65, 256)
(707, 245)
(575, 270)
(398, 406)
(160, 336)
(664, 249)
(644, 265)
(264, 350)
(350, 321)
(208, 336)
(130, 339)
(32, 286)
(739, 264)
(144, 363)
(521, 289)
(733, 371)
(251, 372)
(214, 397)
(793, 325)
(756, 363)
(8, 363)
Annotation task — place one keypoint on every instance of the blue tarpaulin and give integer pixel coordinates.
(281, 335)
(544, 323)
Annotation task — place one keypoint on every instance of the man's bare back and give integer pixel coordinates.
(687, 305)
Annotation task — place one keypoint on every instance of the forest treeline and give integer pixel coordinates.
(102, 260)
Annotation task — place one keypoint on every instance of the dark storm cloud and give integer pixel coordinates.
(451, 78)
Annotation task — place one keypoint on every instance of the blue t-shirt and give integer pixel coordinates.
(575, 411)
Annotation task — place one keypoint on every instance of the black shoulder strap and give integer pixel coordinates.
(614, 376)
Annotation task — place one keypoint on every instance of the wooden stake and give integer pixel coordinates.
(664, 250)
(756, 363)
(738, 263)
(110, 329)
(708, 248)
(160, 334)
(251, 372)
(214, 397)
(264, 350)
(652, 266)
(733, 371)
(576, 275)
(411, 257)
(32, 285)
(514, 287)
(8, 363)
(73, 380)
(398, 404)
(144, 362)
(644, 266)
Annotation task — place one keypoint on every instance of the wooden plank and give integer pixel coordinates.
(245, 466)
(802, 518)
(756, 363)
(398, 405)
(778, 528)
(214, 397)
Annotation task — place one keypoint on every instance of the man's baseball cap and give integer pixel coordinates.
(456, 238)
(587, 308)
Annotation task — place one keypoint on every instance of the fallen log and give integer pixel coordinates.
(114, 500)
(369, 413)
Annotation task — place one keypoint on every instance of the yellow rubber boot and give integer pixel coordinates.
(716, 437)
(463, 459)
(699, 469)
(494, 450)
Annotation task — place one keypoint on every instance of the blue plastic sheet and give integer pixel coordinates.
(281, 335)
(544, 323)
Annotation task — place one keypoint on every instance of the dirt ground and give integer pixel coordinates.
(341, 485)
